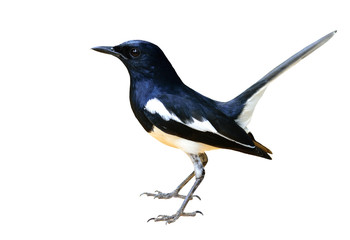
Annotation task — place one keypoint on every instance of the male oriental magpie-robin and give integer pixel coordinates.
(180, 117)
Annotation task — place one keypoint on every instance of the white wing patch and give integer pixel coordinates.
(155, 106)
(247, 112)
(203, 126)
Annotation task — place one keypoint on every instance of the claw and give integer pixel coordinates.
(196, 197)
(200, 213)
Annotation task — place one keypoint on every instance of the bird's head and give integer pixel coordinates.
(141, 58)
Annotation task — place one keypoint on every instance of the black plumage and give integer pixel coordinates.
(183, 118)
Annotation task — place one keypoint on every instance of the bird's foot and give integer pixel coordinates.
(172, 218)
(174, 194)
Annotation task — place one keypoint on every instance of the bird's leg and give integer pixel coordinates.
(175, 194)
(199, 173)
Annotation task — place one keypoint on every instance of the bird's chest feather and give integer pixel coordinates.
(140, 93)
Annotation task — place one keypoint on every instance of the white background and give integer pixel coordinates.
(73, 159)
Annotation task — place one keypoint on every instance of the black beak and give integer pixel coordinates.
(108, 50)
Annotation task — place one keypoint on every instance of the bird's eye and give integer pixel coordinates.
(134, 52)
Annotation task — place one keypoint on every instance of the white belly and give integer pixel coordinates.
(185, 145)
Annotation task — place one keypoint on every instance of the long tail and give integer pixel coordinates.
(243, 105)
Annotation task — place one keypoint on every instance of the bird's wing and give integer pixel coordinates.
(186, 118)
(243, 105)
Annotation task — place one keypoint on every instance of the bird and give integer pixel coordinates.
(180, 117)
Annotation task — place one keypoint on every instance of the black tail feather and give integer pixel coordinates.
(240, 100)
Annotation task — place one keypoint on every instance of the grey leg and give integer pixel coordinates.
(175, 194)
(199, 173)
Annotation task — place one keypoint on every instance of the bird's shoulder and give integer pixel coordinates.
(182, 103)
